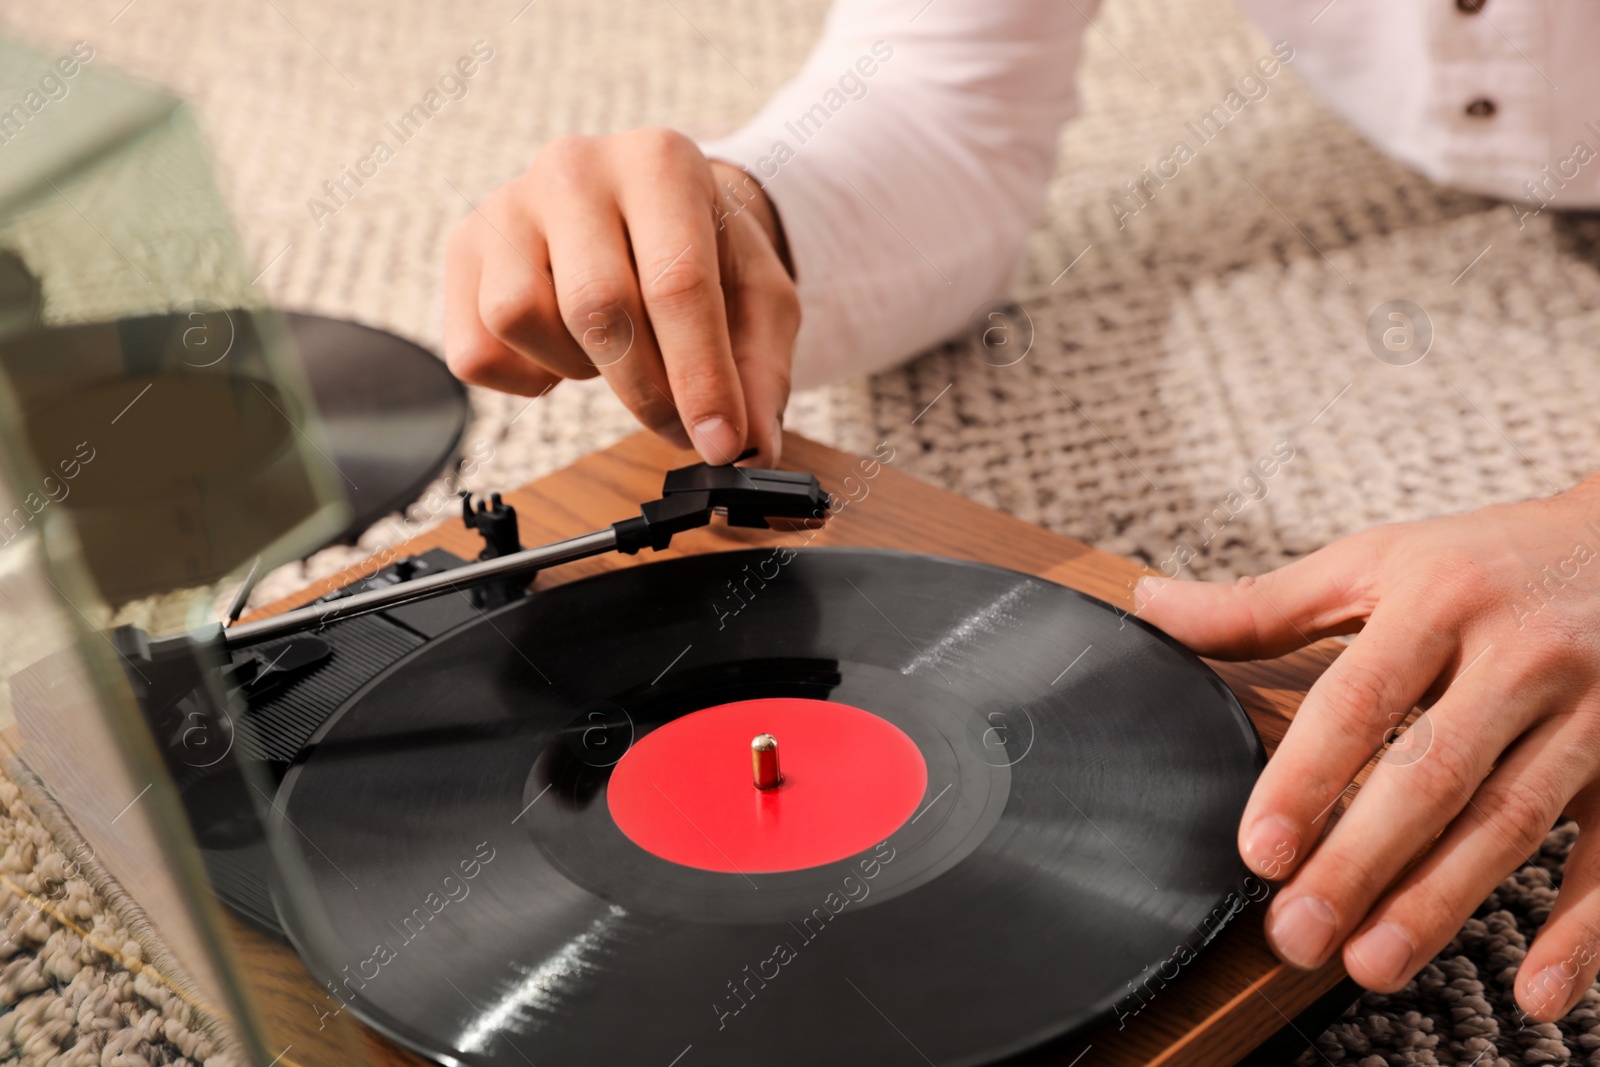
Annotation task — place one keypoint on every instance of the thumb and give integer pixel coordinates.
(763, 319)
(1328, 592)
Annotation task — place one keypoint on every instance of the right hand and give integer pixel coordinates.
(627, 256)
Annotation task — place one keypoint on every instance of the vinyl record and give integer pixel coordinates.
(537, 839)
(392, 412)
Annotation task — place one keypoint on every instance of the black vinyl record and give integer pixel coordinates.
(469, 894)
(391, 411)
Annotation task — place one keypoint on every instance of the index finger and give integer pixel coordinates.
(672, 228)
(1358, 704)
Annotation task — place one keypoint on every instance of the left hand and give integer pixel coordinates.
(1491, 621)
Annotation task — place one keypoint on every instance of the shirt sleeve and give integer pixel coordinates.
(908, 160)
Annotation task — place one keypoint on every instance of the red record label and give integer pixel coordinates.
(686, 792)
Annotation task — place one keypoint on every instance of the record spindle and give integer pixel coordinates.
(764, 759)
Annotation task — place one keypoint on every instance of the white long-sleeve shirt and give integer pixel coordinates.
(910, 156)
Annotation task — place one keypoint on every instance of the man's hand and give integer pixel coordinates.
(1491, 621)
(634, 257)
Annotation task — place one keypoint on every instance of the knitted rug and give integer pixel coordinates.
(73, 991)
(1172, 346)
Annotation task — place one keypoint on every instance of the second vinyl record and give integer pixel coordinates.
(535, 839)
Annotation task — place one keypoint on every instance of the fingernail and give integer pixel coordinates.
(1144, 591)
(1302, 931)
(1385, 951)
(1271, 847)
(1548, 991)
(674, 434)
(716, 440)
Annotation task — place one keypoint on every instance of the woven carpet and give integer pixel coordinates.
(1184, 342)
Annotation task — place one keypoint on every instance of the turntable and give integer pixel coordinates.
(877, 790)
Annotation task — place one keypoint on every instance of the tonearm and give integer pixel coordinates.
(689, 496)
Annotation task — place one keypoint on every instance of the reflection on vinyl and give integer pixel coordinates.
(537, 839)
